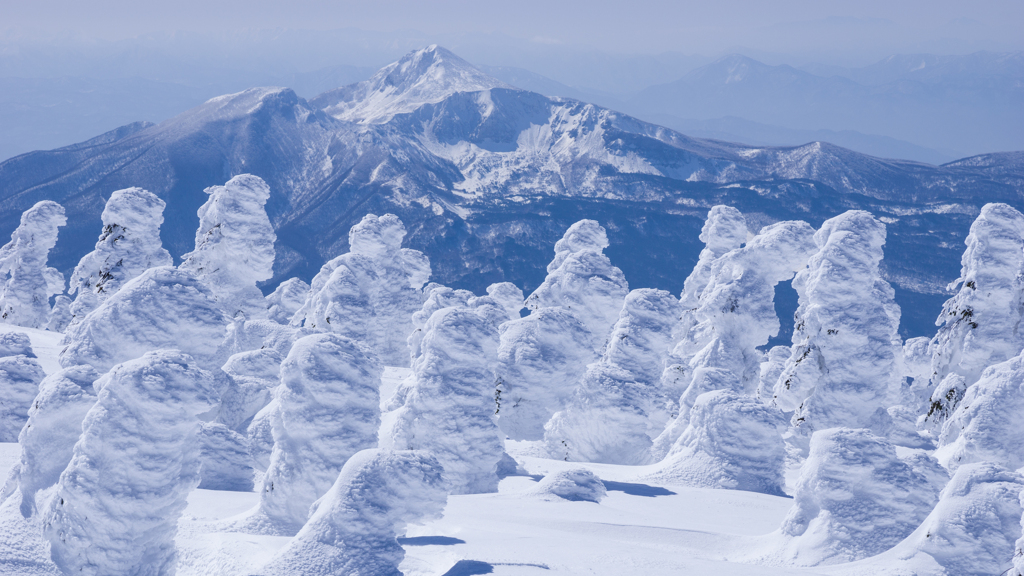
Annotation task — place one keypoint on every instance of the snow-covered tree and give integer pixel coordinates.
(354, 528)
(917, 368)
(60, 315)
(163, 308)
(27, 282)
(128, 246)
(582, 279)
(724, 230)
(54, 425)
(846, 362)
(286, 300)
(732, 442)
(981, 324)
(259, 435)
(736, 316)
(541, 357)
(254, 374)
(970, 531)
(234, 245)
(372, 291)
(618, 408)
(509, 296)
(20, 376)
(437, 297)
(117, 504)
(855, 498)
(984, 425)
(449, 410)
(328, 408)
(771, 368)
(226, 464)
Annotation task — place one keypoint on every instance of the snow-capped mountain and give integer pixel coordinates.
(422, 77)
(487, 176)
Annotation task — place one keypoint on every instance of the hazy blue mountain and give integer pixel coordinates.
(487, 180)
(957, 105)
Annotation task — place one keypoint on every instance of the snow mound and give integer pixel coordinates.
(577, 485)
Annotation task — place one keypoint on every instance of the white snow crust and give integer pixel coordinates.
(28, 282)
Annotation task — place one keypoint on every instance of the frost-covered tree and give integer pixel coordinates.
(541, 357)
(855, 498)
(438, 297)
(449, 410)
(970, 531)
(724, 230)
(981, 324)
(117, 504)
(370, 293)
(60, 315)
(984, 425)
(917, 369)
(128, 246)
(328, 408)
(771, 368)
(286, 300)
(27, 282)
(736, 316)
(234, 245)
(20, 375)
(582, 279)
(254, 374)
(732, 442)
(509, 296)
(354, 528)
(617, 409)
(226, 464)
(846, 362)
(54, 425)
(163, 308)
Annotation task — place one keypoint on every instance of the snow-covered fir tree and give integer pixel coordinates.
(618, 408)
(724, 230)
(370, 293)
(449, 409)
(736, 316)
(328, 408)
(855, 498)
(354, 528)
(981, 324)
(128, 246)
(846, 363)
(27, 282)
(20, 375)
(234, 245)
(286, 300)
(117, 504)
(541, 357)
(732, 442)
(163, 308)
(582, 279)
(53, 427)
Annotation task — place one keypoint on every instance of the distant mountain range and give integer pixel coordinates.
(487, 177)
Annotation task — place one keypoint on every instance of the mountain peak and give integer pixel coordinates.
(423, 76)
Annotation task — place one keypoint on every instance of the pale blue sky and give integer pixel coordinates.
(635, 26)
